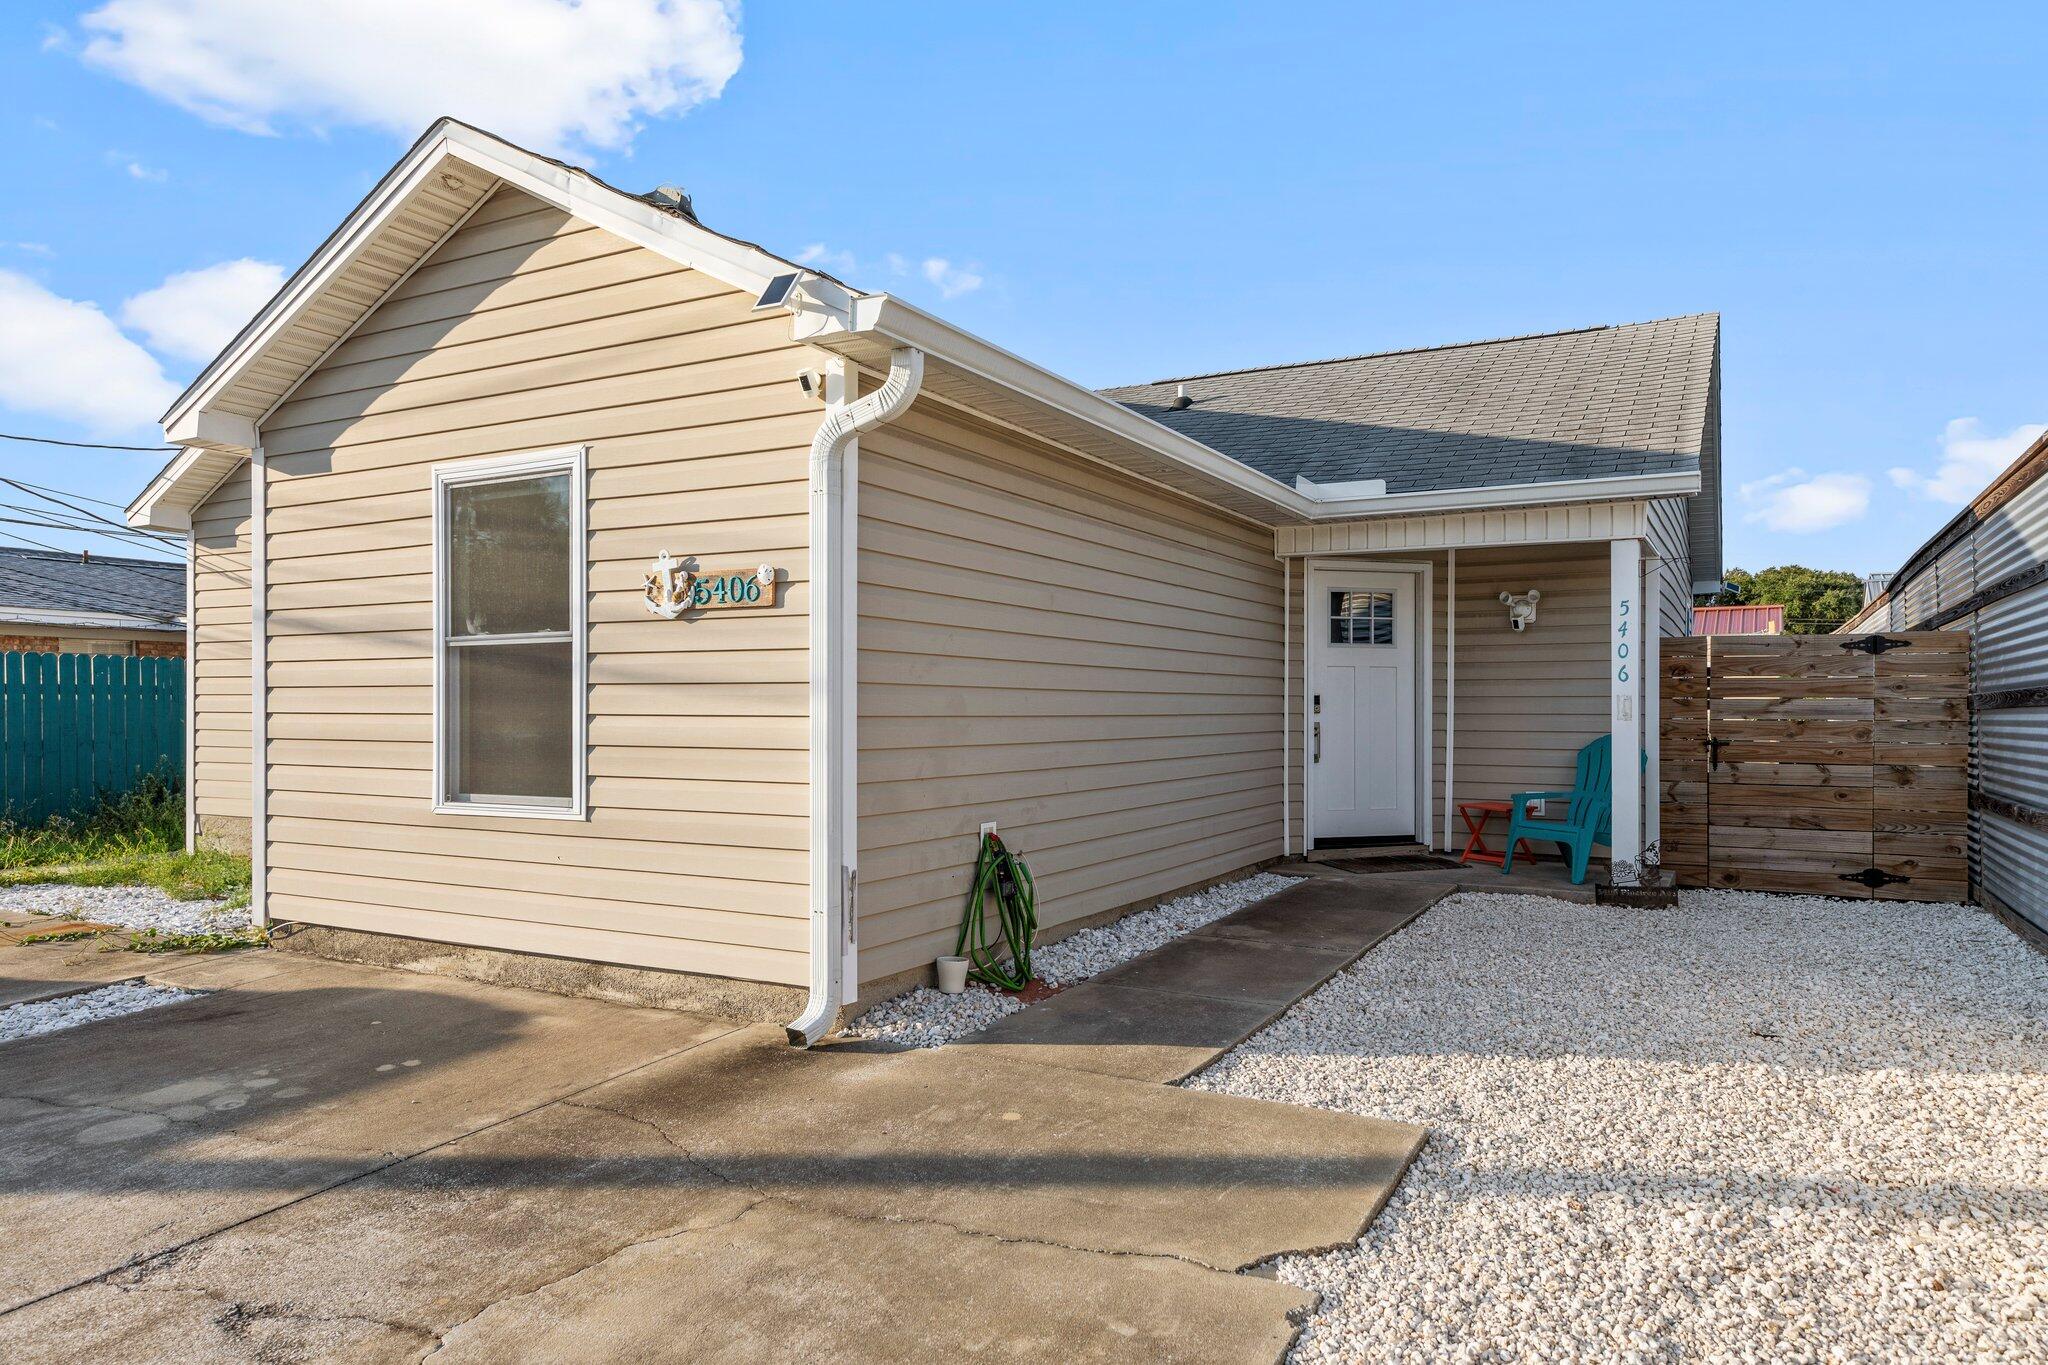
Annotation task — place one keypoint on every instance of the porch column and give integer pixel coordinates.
(1625, 681)
(1654, 570)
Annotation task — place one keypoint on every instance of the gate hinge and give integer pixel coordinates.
(1876, 644)
(1874, 877)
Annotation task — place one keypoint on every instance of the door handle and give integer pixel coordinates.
(1319, 741)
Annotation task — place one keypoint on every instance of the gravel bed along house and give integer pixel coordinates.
(926, 1018)
(108, 1002)
(131, 907)
(1753, 1128)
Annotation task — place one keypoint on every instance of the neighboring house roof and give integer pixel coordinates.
(43, 587)
(454, 168)
(1767, 620)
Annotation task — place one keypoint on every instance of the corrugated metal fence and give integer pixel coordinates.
(1987, 573)
(75, 725)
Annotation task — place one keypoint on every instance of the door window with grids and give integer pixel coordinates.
(509, 635)
(1361, 618)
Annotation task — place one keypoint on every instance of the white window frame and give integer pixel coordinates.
(573, 460)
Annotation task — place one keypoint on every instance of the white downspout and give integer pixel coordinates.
(191, 690)
(834, 696)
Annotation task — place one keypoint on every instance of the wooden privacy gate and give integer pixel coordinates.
(1835, 765)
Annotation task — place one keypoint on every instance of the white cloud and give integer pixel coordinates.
(65, 359)
(1796, 501)
(194, 314)
(1970, 459)
(547, 73)
(822, 256)
(951, 280)
(31, 248)
(138, 171)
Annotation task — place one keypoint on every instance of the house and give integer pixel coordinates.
(59, 602)
(631, 603)
(1986, 572)
(1764, 620)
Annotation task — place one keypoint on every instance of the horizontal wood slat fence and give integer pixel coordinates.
(1831, 765)
(73, 726)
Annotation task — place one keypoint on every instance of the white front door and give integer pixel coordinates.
(1361, 711)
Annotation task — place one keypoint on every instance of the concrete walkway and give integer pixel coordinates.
(1171, 1012)
(324, 1161)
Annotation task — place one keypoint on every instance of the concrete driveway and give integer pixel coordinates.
(319, 1161)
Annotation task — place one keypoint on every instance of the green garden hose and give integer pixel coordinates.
(1000, 873)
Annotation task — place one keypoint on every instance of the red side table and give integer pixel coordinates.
(1475, 814)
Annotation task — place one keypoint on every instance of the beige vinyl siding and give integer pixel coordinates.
(1527, 703)
(1091, 662)
(220, 783)
(529, 330)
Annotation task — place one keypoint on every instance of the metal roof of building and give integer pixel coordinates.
(34, 583)
(1598, 402)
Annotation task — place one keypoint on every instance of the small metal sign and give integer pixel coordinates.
(675, 587)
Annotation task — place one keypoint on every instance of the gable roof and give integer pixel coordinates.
(42, 587)
(454, 168)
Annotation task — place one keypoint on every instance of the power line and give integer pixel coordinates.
(83, 445)
(82, 497)
(30, 489)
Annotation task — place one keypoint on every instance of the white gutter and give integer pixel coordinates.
(835, 702)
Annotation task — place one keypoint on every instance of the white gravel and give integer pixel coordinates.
(131, 907)
(1753, 1128)
(87, 1007)
(926, 1018)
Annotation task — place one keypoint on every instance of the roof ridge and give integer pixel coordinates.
(1407, 350)
(74, 557)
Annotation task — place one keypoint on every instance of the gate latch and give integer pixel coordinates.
(1873, 877)
(1876, 644)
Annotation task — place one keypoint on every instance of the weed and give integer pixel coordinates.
(155, 941)
(136, 838)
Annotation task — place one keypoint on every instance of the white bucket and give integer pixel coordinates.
(952, 975)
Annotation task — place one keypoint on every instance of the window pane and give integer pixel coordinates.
(1361, 618)
(508, 556)
(512, 721)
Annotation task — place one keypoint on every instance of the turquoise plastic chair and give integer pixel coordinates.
(1585, 819)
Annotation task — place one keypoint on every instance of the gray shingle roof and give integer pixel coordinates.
(1594, 403)
(34, 581)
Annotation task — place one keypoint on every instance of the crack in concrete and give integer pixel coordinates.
(237, 1315)
(440, 1339)
(798, 1203)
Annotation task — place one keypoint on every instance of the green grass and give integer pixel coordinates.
(135, 839)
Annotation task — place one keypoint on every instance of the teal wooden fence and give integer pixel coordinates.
(75, 725)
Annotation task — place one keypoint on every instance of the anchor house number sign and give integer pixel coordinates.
(674, 587)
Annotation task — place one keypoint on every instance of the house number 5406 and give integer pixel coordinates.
(1621, 643)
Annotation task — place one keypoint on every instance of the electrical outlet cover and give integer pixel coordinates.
(988, 827)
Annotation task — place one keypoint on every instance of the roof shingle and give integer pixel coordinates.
(1598, 402)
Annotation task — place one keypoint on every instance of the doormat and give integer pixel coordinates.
(1396, 862)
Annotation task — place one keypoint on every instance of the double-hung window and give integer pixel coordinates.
(509, 635)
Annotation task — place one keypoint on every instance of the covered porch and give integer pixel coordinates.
(1413, 688)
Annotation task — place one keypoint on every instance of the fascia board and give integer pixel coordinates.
(891, 318)
(735, 263)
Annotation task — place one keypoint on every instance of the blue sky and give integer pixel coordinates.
(1122, 192)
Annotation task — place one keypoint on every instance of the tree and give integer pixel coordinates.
(1815, 600)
